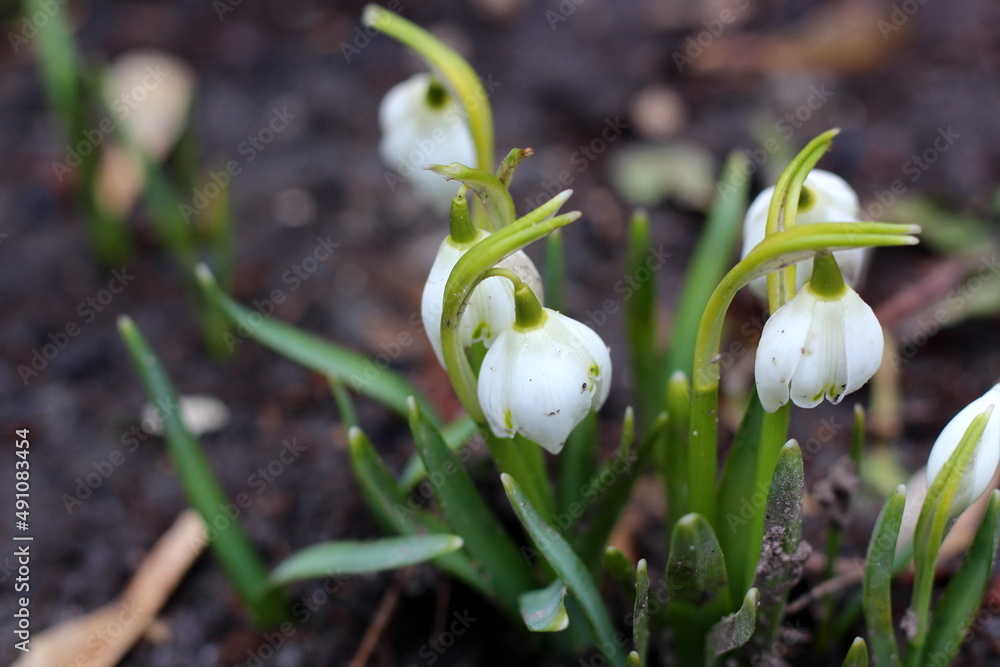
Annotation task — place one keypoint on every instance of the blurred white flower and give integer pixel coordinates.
(816, 346)
(201, 414)
(985, 458)
(542, 381)
(422, 125)
(830, 199)
(491, 307)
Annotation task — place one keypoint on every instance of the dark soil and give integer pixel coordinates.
(558, 89)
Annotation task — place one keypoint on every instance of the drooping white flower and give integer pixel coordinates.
(816, 346)
(421, 125)
(491, 307)
(985, 458)
(829, 199)
(541, 381)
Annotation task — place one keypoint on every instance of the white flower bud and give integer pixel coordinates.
(832, 200)
(422, 125)
(542, 381)
(816, 346)
(985, 458)
(491, 307)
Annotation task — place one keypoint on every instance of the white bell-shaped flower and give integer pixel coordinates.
(985, 458)
(541, 380)
(825, 341)
(490, 309)
(422, 125)
(825, 197)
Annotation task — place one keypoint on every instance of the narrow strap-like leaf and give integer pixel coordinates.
(350, 557)
(876, 593)
(455, 434)
(230, 544)
(857, 656)
(467, 513)
(734, 630)
(392, 507)
(355, 370)
(619, 566)
(643, 260)
(640, 612)
(543, 610)
(577, 465)
(568, 566)
(783, 554)
(956, 610)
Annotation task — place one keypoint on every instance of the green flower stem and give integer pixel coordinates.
(460, 226)
(457, 73)
(519, 456)
(773, 436)
(528, 312)
(506, 170)
(469, 271)
(775, 251)
(782, 211)
(827, 281)
(491, 191)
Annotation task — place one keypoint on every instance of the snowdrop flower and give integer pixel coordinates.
(491, 307)
(825, 341)
(421, 125)
(543, 375)
(825, 197)
(985, 458)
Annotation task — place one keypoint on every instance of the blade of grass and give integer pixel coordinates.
(640, 612)
(350, 557)
(877, 588)
(465, 511)
(640, 320)
(543, 610)
(568, 566)
(357, 371)
(230, 544)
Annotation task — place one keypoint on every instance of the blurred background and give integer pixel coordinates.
(263, 143)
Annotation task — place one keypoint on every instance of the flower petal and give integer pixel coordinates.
(780, 349)
(865, 341)
(823, 367)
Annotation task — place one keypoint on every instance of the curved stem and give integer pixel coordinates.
(775, 251)
(456, 72)
(491, 191)
(467, 274)
(784, 205)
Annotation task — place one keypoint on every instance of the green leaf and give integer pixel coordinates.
(58, 57)
(696, 577)
(455, 434)
(956, 610)
(640, 613)
(633, 660)
(857, 656)
(348, 557)
(230, 544)
(492, 193)
(568, 567)
(577, 463)
(783, 554)
(392, 508)
(674, 448)
(877, 589)
(640, 316)
(740, 499)
(505, 173)
(348, 415)
(543, 610)
(619, 566)
(611, 496)
(734, 630)
(469, 516)
(554, 271)
(355, 370)
(712, 258)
